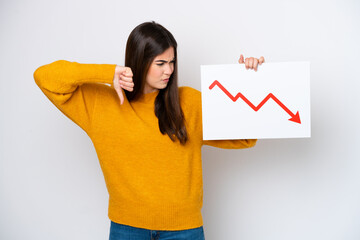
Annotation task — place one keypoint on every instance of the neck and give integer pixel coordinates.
(146, 91)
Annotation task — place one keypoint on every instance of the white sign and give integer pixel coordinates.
(273, 102)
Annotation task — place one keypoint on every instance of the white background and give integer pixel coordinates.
(51, 185)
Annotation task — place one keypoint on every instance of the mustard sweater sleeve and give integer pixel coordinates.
(231, 144)
(72, 87)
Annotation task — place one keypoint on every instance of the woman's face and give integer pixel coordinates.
(160, 71)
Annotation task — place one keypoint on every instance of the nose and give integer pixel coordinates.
(169, 68)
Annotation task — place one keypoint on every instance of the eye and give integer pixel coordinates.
(160, 64)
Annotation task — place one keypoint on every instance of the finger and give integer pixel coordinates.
(130, 89)
(116, 83)
(130, 75)
(255, 64)
(126, 84)
(120, 94)
(247, 63)
(241, 59)
(261, 60)
(126, 79)
(251, 62)
(128, 72)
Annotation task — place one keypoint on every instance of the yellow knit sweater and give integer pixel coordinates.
(153, 183)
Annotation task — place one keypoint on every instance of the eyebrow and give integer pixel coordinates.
(164, 60)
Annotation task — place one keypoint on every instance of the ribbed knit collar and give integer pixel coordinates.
(148, 98)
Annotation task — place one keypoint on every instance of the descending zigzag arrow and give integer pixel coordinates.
(294, 117)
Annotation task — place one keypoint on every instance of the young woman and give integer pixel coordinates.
(149, 142)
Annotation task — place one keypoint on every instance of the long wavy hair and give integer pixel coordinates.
(145, 42)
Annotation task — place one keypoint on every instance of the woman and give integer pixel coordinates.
(149, 144)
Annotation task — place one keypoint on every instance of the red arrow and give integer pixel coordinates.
(294, 117)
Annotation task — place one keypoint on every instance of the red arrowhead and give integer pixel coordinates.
(296, 118)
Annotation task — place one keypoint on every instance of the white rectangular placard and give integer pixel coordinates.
(239, 103)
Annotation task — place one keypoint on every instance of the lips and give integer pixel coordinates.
(166, 80)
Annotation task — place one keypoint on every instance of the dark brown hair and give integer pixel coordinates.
(145, 42)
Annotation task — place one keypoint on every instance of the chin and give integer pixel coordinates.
(162, 87)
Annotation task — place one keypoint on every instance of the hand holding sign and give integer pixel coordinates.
(251, 62)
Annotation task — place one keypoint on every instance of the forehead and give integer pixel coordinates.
(168, 54)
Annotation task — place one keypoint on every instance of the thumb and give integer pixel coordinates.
(121, 95)
(241, 59)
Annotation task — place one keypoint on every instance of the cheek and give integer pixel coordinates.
(153, 74)
(156, 72)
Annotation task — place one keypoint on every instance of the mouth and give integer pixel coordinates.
(166, 80)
